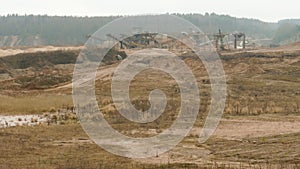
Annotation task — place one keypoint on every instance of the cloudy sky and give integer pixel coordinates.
(266, 10)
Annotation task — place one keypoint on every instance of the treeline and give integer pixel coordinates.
(288, 31)
(52, 30)
(210, 23)
(31, 30)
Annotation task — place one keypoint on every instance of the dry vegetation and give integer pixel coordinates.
(33, 104)
(263, 91)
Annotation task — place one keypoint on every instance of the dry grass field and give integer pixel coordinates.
(260, 127)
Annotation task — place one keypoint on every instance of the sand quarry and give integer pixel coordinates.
(244, 133)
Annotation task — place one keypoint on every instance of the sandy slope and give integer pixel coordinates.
(14, 51)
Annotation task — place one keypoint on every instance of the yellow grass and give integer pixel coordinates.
(33, 104)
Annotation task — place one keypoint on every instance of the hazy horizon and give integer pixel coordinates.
(143, 14)
(267, 11)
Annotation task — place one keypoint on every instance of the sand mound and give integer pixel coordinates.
(291, 46)
(254, 69)
(294, 61)
(247, 69)
(14, 51)
(240, 67)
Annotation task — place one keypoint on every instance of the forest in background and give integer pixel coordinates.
(39, 30)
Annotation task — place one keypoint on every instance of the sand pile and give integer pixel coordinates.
(240, 67)
(247, 69)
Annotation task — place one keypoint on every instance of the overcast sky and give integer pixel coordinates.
(266, 10)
